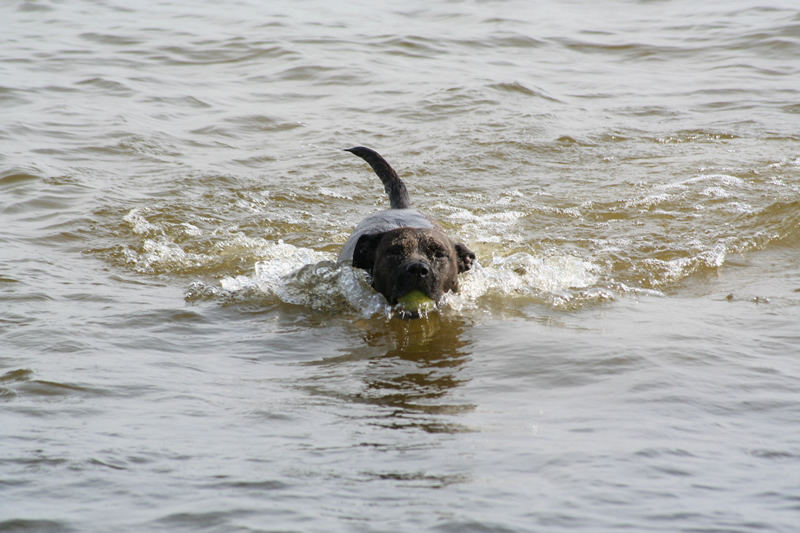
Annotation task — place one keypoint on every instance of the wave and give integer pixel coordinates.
(300, 276)
(532, 249)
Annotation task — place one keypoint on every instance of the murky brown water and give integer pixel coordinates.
(178, 352)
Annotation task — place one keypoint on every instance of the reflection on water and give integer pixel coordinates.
(407, 367)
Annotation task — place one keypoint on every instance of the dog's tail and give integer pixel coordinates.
(394, 186)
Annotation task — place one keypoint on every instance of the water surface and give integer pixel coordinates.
(179, 350)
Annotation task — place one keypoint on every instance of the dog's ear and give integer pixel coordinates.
(465, 258)
(364, 252)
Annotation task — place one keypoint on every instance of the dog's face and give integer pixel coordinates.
(406, 259)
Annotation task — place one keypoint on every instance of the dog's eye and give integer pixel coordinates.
(394, 250)
(440, 253)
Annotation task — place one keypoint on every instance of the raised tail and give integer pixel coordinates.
(394, 186)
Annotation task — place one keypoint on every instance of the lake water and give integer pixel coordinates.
(179, 352)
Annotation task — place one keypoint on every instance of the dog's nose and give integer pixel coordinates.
(418, 268)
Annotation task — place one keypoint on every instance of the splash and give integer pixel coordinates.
(303, 277)
(556, 280)
(665, 272)
(298, 276)
(643, 243)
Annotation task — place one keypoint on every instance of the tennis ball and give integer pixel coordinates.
(416, 301)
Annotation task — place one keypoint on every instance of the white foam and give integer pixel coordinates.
(163, 255)
(555, 277)
(648, 201)
(724, 179)
(301, 276)
(669, 271)
(304, 277)
(191, 230)
(280, 260)
(716, 192)
(503, 217)
(139, 223)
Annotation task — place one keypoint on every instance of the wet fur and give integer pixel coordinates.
(403, 258)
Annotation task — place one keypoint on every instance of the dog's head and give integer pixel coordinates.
(406, 259)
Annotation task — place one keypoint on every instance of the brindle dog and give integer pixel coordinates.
(402, 249)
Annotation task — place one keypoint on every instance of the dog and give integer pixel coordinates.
(402, 249)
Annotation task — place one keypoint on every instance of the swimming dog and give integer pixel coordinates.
(402, 249)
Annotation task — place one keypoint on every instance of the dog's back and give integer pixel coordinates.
(384, 221)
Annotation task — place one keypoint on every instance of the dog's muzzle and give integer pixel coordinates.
(415, 275)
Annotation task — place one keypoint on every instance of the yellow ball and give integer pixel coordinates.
(416, 301)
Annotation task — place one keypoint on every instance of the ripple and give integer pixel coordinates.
(262, 123)
(13, 178)
(22, 382)
(111, 38)
(517, 87)
(514, 40)
(23, 374)
(35, 526)
(37, 387)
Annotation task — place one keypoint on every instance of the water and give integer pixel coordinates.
(180, 352)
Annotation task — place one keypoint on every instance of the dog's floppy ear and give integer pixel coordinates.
(364, 252)
(465, 258)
